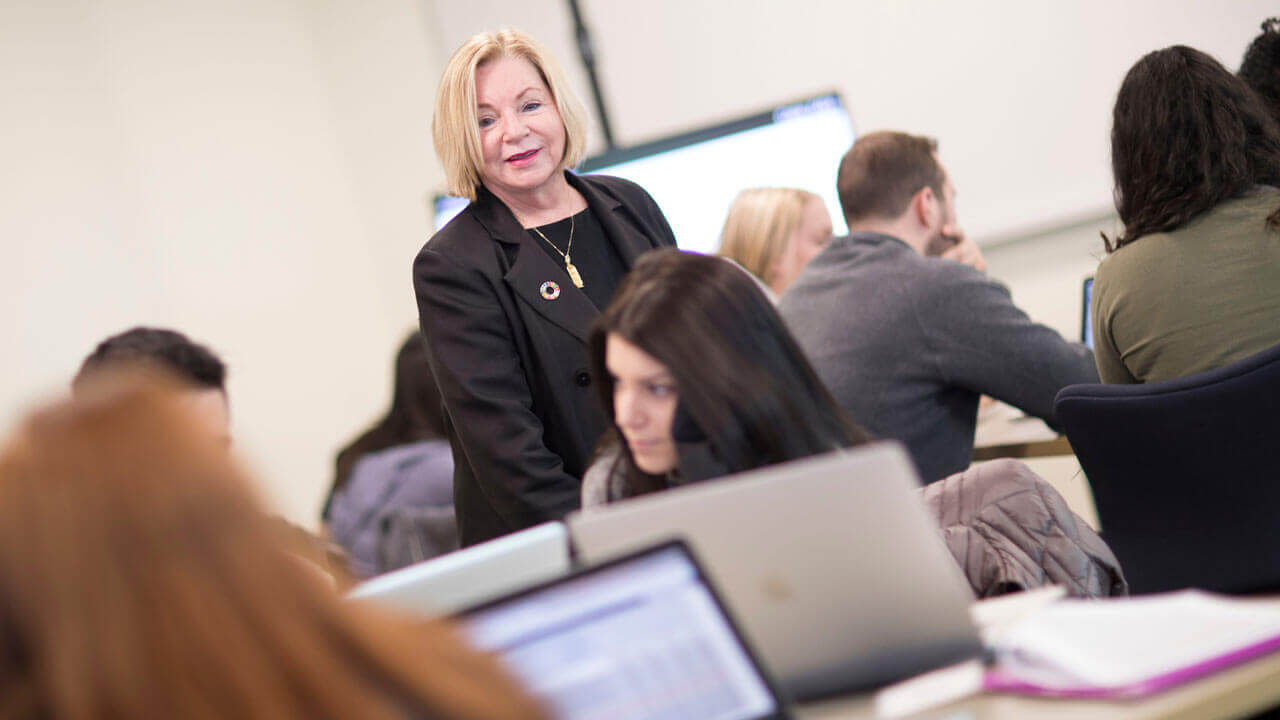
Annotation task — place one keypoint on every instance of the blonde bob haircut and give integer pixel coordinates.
(759, 226)
(455, 127)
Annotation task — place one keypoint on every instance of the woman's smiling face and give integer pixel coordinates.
(522, 137)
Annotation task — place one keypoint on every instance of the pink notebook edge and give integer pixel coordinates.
(997, 680)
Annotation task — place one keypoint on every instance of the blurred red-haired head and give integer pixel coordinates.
(140, 579)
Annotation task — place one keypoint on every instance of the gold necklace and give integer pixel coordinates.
(569, 267)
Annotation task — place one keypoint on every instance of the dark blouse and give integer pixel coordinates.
(593, 253)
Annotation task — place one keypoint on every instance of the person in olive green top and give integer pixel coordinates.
(1193, 283)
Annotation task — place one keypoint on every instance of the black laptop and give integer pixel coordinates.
(641, 637)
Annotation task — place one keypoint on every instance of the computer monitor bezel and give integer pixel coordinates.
(1086, 325)
(680, 140)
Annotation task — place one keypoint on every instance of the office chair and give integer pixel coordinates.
(1186, 474)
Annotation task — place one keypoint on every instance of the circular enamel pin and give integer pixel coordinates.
(549, 290)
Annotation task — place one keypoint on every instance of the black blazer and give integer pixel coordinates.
(511, 365)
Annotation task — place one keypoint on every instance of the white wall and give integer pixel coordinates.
(250, 172)
(1045, 272)
(256, 173)
(1018, 93)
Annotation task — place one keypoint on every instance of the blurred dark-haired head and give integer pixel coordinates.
(1260, 68)
(169, 349)
(1186, 136)
(743, 382)
(189, 363)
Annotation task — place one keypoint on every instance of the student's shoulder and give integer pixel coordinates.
(1135, 259)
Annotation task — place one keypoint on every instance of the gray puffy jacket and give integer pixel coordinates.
(1010, 530)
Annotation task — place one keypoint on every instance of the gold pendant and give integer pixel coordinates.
(574, 275)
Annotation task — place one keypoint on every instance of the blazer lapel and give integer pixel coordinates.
(570, 308)
(612, 214)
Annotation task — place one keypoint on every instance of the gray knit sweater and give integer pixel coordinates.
(907, 344)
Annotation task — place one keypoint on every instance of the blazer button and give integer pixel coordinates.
(582, 378)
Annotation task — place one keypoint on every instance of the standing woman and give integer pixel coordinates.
(508, 290)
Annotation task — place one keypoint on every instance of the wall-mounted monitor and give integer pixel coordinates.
(694, 176)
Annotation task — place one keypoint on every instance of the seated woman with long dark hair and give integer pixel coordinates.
(1193, 281)
(700, 378)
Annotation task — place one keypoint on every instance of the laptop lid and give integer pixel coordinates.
(642, 637)
(831, 563)
(473, 574)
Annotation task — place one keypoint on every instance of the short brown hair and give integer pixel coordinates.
(883, 171)
(454, 126)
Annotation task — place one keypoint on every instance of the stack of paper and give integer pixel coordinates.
(1128, 647)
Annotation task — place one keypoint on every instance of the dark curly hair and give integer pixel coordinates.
(1186, 135)
(1260, 68)
(169, 349)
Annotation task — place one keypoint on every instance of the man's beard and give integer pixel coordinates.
(938, 244)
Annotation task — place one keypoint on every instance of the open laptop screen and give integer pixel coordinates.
(1086, 324)
(641, 637)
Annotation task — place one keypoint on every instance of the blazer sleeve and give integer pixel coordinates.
(477, 367)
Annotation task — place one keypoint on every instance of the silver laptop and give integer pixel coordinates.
(644, 637)
(831, 563)
(474, 574)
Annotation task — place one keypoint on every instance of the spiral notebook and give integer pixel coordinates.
(1131, 647)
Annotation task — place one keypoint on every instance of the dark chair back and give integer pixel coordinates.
(1184, 474)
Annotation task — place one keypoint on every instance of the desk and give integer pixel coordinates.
(1233, 693)
(1004, 431)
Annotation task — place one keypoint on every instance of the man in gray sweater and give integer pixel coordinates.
(902, 323)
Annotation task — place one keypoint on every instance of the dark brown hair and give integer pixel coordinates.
(157, 347)
(743, 382)
(416, 413)
(883, 171)
(139, 579)
(1186, 135)
(1260, 68)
